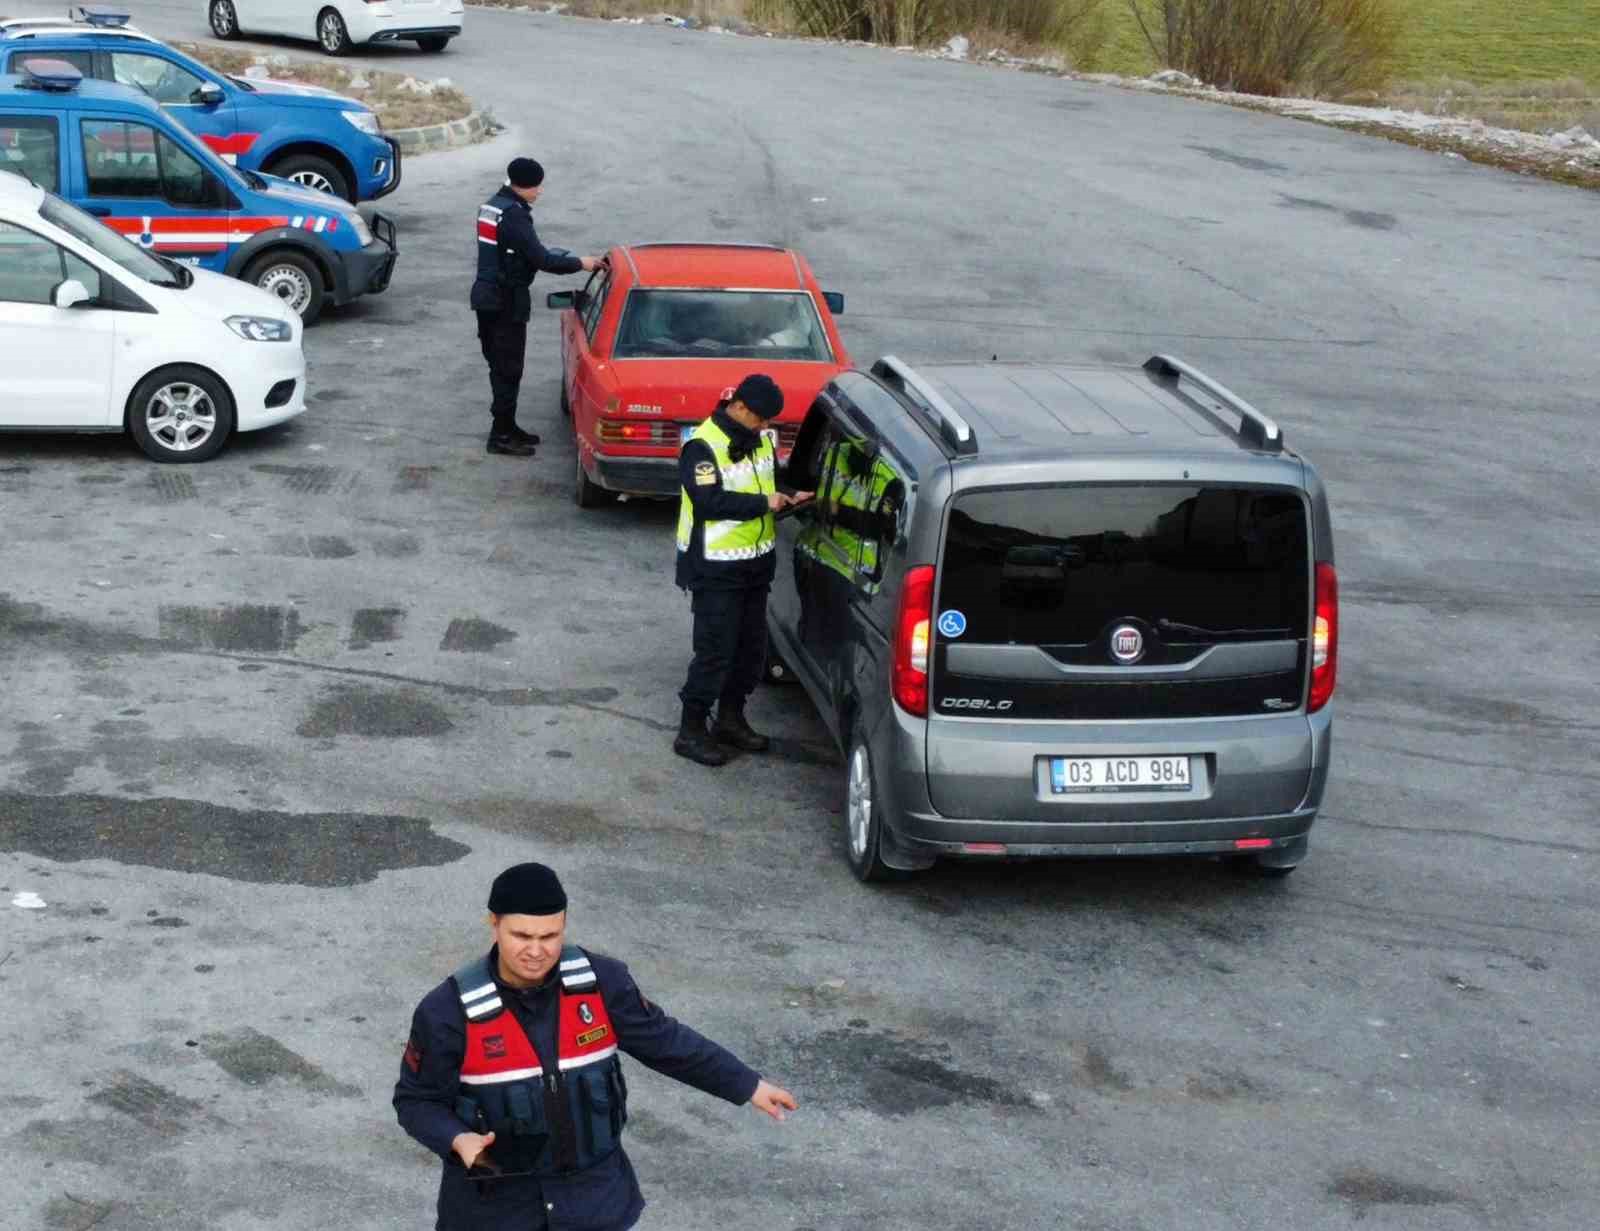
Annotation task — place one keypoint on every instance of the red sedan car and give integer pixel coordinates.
(649, 345)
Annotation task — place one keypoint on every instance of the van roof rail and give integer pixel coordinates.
(953, 429)
(1254, 427)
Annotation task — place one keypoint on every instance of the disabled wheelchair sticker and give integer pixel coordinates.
(952, 624)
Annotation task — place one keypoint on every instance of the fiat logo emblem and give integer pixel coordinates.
(1127, 644)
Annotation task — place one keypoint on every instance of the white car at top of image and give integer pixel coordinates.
(98, 335)
(341, 25)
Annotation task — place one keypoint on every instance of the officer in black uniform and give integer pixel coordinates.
(511, 1075)
(509, 255)
(729, 597)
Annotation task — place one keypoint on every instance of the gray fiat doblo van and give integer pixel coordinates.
(1060, 610)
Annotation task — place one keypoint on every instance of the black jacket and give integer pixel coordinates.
(713, 503)
(604, 1198)
(510, 254)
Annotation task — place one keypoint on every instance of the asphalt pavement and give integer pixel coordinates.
(271, 724)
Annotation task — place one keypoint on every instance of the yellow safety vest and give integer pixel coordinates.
(754, 476)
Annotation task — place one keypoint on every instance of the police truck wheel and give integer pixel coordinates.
(180, 414)
(309, 171)
(566, 406)
(585, 494)
(776, 671)
(224, 21)
(293, 278)
(331, 33)
(863, 817)
(434, 42)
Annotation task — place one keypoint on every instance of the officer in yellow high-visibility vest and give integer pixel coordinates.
(727, 472)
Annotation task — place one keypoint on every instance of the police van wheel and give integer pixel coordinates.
(180, 414)
(587, 494)
(293, 278)
(224, 21)
(566, 406)
(309, 171)
(332, 34)
(863, 817)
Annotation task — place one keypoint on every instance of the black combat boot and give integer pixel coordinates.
(731, 729)
(509, 443)
(527, 438)
(693, 742)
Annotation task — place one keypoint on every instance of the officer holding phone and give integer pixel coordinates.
(727, 475)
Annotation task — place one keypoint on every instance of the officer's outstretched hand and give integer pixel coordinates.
(469, 1147)
(774, 1100)
(591, 263)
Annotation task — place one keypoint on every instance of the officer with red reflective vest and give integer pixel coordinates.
(512, 1074)
(509, 255)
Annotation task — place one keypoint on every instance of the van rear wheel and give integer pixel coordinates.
(863, 815)
(433, 42)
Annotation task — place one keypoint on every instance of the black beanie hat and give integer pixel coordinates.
(760, 394)
(527, 889)
(524, 173)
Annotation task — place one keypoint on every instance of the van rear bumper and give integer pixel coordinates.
(937, 835)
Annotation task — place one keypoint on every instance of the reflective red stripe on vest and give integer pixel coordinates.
(498, 1050)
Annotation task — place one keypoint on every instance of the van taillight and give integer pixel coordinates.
(1325, 638)
(913, 632)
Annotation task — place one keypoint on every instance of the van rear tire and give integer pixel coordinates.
(863, 815)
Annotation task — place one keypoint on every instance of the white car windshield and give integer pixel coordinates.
(700, 324)
(128, 256)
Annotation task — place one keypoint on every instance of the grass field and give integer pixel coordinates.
(1481, 41)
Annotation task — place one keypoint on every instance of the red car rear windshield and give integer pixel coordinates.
(701, 324)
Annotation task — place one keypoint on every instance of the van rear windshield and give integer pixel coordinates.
(1057, 566)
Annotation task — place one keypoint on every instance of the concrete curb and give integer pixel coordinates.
(476, 127)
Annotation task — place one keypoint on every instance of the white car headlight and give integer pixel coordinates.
(366, 121)
(260, 328)
(362, 230)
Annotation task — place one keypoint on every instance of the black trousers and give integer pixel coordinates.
(505, 344)
(730, 647)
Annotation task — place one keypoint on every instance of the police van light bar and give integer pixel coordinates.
(52, 76)
(106, 19)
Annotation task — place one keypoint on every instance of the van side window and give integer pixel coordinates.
(123, 159)
(31, 266)
(30, 145)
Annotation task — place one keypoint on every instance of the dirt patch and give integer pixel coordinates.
(401, 101)
(377, 713)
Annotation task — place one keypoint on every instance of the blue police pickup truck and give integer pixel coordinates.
(298, 132)
(117, 155)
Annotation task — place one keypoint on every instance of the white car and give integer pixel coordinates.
(340, 25)
(98, 335)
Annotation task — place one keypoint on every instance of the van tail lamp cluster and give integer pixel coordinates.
(1324, 638)
(913, 634)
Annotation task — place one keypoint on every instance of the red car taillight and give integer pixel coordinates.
(636, 432)
(913, 636)
(1325, 638)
